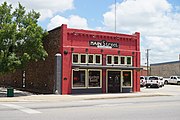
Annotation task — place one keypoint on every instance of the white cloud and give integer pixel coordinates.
(154, 19)
(73, 21)
(56, 22)
(47, 8)
(77, 22)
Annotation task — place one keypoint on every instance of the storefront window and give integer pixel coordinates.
(129, 60)
(122, 60)
(79, 78)
(94, 78)
(127, 78)
(98, 59)
(116, 60)
(83, 58)
(91, 59)
(75, 58)
(109, 59)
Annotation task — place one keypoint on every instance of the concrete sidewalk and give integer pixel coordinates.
(21, 96)
(17, 93)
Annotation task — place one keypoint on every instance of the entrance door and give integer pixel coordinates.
(114, 83)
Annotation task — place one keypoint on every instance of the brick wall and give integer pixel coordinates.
(166, 70)
(11, 79)
(143, 72)
(39, 75)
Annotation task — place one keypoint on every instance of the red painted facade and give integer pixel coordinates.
(77, 41)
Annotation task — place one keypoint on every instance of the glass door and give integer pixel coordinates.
(114, 82)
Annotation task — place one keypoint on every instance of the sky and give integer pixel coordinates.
(158, 21)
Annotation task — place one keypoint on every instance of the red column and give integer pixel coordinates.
(138, 62)
(66, 61)
(138, 72)
(104, 81)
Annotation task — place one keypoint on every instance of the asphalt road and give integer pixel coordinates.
(140, 108)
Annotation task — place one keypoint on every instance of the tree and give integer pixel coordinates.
(20, 38)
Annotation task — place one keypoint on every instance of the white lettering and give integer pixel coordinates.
(104, 44)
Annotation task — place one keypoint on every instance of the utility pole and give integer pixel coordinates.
(147, 61)
(115, 16)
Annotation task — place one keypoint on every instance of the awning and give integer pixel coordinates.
(106, 67)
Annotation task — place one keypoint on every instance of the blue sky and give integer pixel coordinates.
(92, 10)
(158, 21)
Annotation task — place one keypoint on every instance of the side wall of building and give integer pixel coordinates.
(11, 79)
(166, 70)
(39, 76)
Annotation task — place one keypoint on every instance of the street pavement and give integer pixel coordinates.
(21, 96)
(149, 104)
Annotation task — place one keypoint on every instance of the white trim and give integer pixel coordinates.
(78, 58)
(100, 55)
(100, 77)
(85, 58)
(123, 79)
(124, 60)
(131, 60)
(100, 59)
(118, 60)
(112, 58)
(85, 79)
(93, 58)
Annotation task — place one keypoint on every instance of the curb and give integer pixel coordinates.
(127, 97)
(70, 98)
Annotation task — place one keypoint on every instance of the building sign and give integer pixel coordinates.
(104, 44)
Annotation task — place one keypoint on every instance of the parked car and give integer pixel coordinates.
(172, 80)
(153, 81)
(143, 81)
(161, 81)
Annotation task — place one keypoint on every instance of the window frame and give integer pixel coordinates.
(93, 58)
(73, 58)
(73, 81)
(124, 60)
(118, 59)
(100, 77)
(85, 58)
(123, 79)
(127, 60)
(100, 59)
(112, 58)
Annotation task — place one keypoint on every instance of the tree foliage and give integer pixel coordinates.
(20, 38)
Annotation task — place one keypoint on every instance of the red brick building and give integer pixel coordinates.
(92, 62)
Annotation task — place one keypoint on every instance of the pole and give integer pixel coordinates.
(58, 74)
(115, 17)
(147, 61)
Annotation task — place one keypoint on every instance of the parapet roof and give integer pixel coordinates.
(172, 62)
